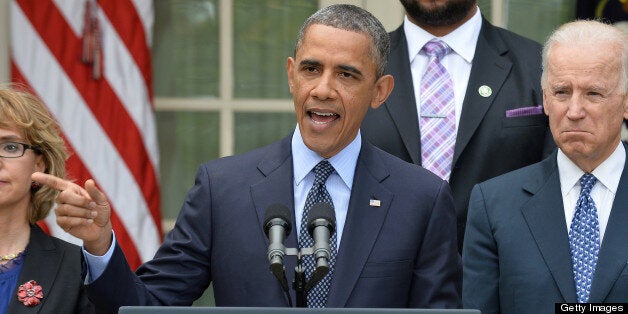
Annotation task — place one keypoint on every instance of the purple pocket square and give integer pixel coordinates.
(524, 111)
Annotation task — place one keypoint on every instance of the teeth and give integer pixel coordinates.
(326, 114)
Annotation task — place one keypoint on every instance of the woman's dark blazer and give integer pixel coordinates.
(58, 267)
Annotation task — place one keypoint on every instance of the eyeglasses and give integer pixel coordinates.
(16, 150)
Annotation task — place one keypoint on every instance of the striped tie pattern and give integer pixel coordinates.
(438, 118)
(584, 239)
(317, 297)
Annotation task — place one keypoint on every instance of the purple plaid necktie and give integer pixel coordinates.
(438, 117)
(317, 297)
(584, 239)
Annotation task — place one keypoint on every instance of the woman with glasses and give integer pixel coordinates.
(38, 273)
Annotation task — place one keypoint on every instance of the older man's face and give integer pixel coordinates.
(584, 101)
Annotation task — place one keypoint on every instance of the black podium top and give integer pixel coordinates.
(255, 310)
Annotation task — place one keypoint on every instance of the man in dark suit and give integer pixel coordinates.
(555, 231)
(395, 222)
(495, 73)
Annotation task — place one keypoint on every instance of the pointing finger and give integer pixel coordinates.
(58, 183)
(51, 181)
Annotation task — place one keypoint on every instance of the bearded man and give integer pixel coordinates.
(468, 114)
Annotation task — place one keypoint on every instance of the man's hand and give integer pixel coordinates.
(82, 212)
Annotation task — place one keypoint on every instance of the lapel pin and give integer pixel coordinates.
(485, 91)
(375, 203)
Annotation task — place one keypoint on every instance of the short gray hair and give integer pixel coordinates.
(352, 18)
(592, 33)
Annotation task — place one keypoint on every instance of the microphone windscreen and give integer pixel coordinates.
(322, 211)
(275, 211)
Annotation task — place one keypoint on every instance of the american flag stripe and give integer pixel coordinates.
(137, 42)
(78, 170)
(109, 122)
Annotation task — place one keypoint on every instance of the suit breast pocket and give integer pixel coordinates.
(525, 121)
(386, 269)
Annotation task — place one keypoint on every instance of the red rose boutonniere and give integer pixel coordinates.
(30, 293)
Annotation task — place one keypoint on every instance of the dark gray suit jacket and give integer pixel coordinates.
(516, 253)
(400, 254)
(488, 143)
(58, 268)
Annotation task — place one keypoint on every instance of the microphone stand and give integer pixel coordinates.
(300, 282)
(300, 285)
(320, 252)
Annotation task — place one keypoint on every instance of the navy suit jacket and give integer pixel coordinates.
(57, 266)
(516, 253)
(400, 254)
(488, 143)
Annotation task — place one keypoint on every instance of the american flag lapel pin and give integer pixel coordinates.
(375, 203)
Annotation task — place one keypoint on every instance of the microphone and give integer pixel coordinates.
(277, 228)
(321, 226)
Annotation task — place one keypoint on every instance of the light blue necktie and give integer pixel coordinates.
(584, 239)
(317, 297)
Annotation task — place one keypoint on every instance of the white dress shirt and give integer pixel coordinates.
(603, 192)
(462, 41)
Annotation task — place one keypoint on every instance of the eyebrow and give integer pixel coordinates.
(351, 69)
(344, 67)
(310, 62)
(11, 138)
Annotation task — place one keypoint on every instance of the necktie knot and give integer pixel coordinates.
(436, 48)
(587, 181)
(322, 170)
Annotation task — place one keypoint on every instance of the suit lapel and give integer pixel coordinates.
(40, 264)
(613, 256)
(403, 112)
(489, 68)
(276, 187)
(362, 225)
(545, 217)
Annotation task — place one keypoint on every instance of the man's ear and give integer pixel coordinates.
(625, 107)
(383, 88)
(290, 72)
(545, 104)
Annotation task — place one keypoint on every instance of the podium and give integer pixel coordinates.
(284, 310)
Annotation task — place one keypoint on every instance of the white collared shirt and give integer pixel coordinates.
(462, 41)
(603, 192)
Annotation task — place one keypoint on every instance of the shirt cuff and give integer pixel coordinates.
(96, 264)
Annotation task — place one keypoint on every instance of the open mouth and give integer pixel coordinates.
(322, 117)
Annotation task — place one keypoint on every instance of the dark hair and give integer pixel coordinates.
(352, 18)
